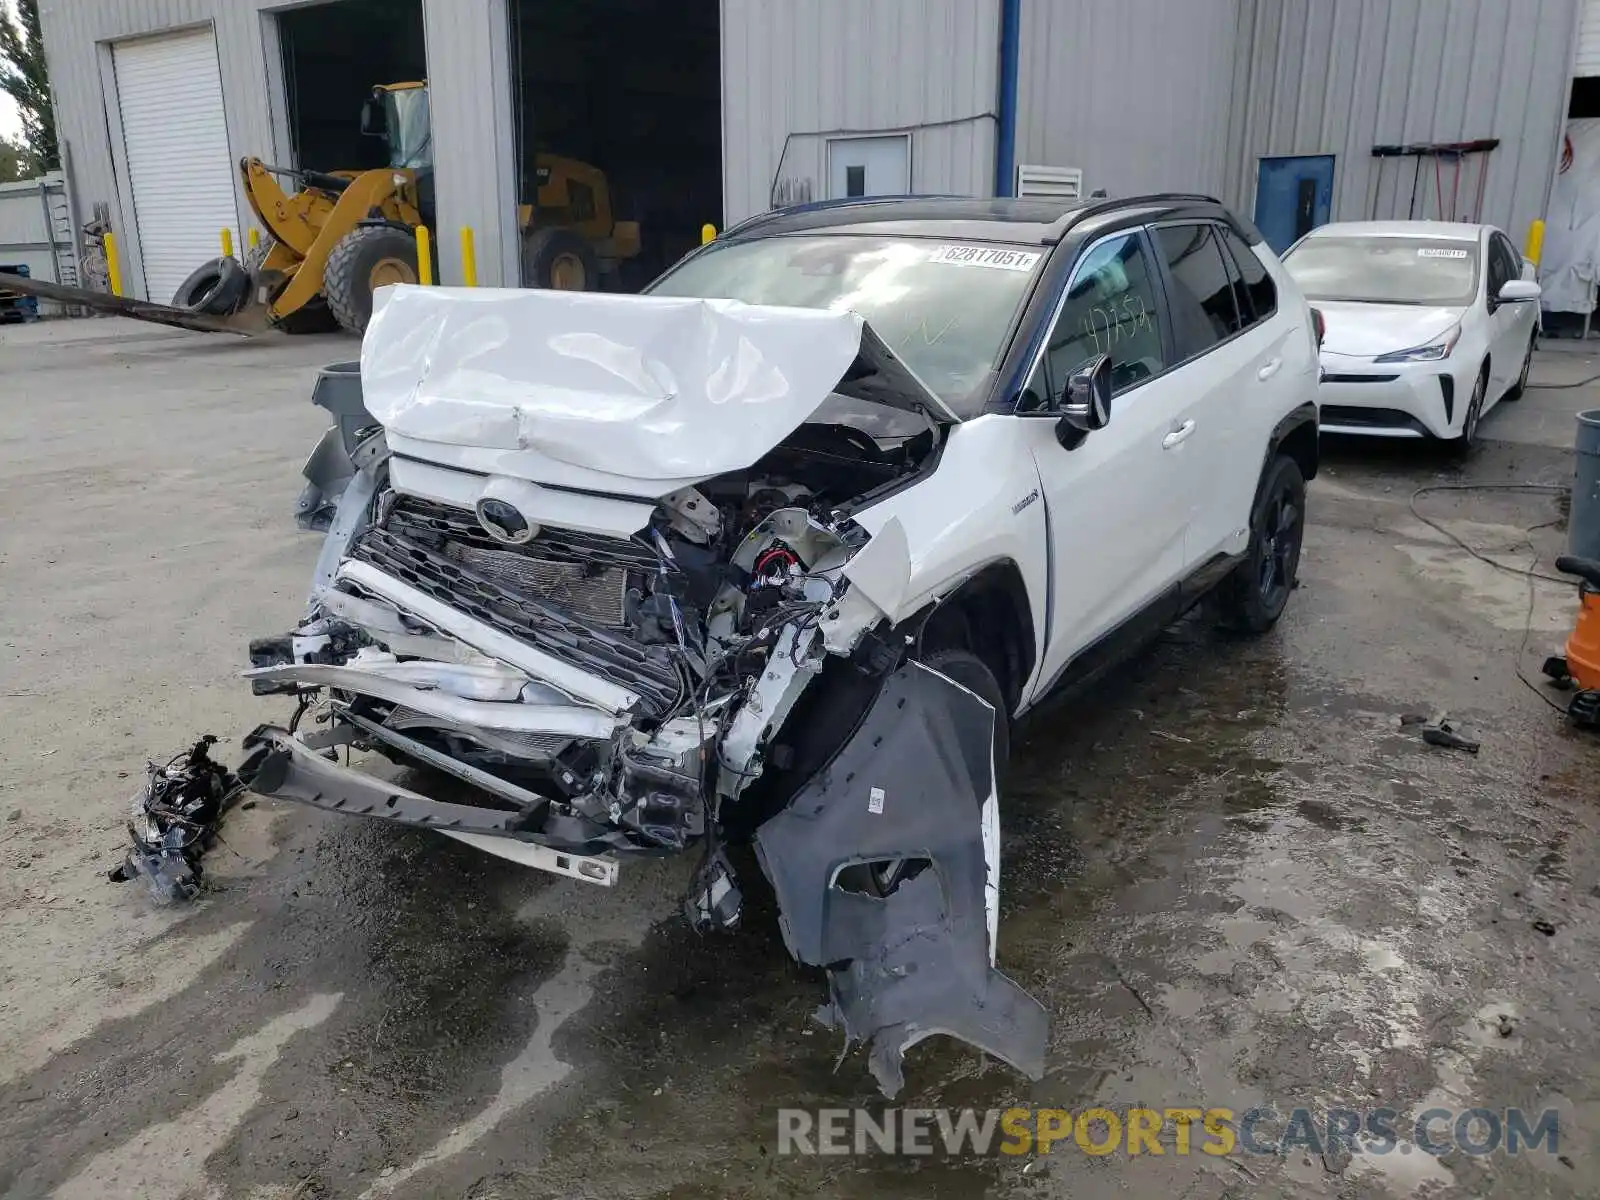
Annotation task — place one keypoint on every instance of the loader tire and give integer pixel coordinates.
(217, 288)
(366, 258)
(560, 259)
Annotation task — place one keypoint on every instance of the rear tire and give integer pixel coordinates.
(1253, 597)
(218, 288)
(366, 258)
(560, 259)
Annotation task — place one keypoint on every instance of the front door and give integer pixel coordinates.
(1115, 503)
(869, 166)
(1293, 196)
(1512, 324)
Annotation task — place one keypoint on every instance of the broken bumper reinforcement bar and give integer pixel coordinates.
(277, 764)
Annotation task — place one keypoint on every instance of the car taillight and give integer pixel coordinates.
(1319, 325)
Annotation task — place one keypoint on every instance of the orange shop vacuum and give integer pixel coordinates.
(1579, 668)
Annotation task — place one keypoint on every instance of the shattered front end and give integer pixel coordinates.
(592, 575)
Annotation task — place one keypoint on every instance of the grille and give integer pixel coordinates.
(648, 670)
(437, 524)
(1369, 418)
(593, 594)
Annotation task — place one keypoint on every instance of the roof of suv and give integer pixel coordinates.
(1037, 221)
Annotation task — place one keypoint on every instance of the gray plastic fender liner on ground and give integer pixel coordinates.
(910, 784)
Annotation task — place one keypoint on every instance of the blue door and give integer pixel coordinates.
(1293, 196)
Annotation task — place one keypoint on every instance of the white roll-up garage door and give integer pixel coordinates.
(1587, 59)
(169, 93)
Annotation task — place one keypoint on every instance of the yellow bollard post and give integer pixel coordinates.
(708, 233)
(469, 258)
(113, 269)
(227, 243)
(255, 238)
(1534, 246)
(424, 256)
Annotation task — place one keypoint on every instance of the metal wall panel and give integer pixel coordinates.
(467, 63)
(469, 78)
(35, 230)
(1586, 61)
(1135, 93)
(795, 72)
(1340, 76)
(77, 37)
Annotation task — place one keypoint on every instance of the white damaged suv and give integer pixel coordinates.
(778, 552)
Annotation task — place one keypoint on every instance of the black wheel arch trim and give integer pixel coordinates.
(1290, 424)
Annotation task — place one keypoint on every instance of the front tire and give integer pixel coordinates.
(1462, 444)
(1253, 597)
(558, 258)
(366, 258)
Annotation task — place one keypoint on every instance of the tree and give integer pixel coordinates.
(12, 160)
(25, 78)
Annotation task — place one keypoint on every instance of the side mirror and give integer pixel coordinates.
(1086, 403)
(373, 121)
(1519, 291)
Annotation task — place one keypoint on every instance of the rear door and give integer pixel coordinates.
(1115, 503)
(1232, 360)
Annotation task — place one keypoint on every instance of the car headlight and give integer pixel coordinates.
(1429, 353)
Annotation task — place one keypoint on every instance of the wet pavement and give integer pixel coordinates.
(1232, 874)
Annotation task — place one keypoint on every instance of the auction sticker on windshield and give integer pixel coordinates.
(987, 256)
(1440, 252)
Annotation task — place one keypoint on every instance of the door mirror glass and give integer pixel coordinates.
(1086, 402)
(1519, 291)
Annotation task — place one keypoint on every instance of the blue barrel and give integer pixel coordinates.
(1583, 527)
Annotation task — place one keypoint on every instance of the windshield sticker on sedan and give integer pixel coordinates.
(1439, 252)
(987, 256)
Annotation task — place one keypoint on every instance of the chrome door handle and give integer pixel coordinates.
(1177, 435)
(1271, 369)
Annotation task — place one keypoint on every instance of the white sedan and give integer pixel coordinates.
(1428, 324)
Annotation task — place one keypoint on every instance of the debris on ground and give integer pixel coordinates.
(1439, 731)
(174, 820)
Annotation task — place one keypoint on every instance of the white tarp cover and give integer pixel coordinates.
(651, 387)
(1568, 266)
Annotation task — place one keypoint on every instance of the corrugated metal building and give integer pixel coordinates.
(1249, 99)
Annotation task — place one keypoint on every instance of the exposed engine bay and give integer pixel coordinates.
(615, 674)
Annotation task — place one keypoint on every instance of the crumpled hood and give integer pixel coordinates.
(652, 388)
(1368, 330)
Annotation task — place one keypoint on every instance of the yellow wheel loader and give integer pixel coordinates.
(344, 234)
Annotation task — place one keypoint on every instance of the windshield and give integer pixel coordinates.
(410, 131)
(943, 307)
(1386, 270)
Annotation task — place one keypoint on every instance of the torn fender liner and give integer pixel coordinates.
(910, 784)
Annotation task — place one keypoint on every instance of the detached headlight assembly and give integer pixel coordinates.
(1429, 353)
